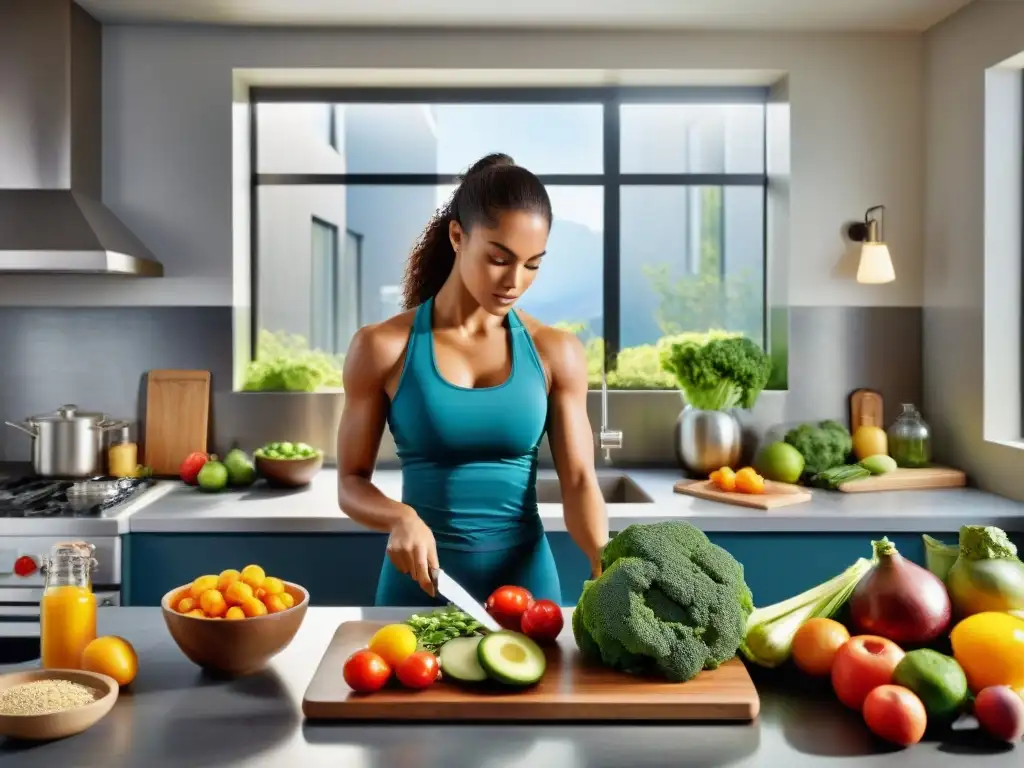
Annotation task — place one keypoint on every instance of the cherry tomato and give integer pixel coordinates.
(894, 713)
(542, 621)
(507, 604)
(366, 672)
(816, 644)
(861, 665)
(418, 670)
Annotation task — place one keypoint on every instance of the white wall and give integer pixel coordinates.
(856, 116)
(972, 285)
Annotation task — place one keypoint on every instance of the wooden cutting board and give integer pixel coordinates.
(569, 691)
(177, 418)
(866, 409)
(775, 495)
(902, 479)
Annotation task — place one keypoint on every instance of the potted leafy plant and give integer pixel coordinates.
(714, 377)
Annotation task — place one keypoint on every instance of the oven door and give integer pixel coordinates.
(19, 609)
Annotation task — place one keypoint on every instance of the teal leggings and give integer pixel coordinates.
(530, 565)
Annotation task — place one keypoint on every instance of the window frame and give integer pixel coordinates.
(611, 179)
(334, 257)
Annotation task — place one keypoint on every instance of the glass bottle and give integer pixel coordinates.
(910, 439)
(67, 612)
(123, 454)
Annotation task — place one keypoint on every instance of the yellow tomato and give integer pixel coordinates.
(990, 648)
(393, 643)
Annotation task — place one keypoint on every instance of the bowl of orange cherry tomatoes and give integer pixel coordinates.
(234, 622)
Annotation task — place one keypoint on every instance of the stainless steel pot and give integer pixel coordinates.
(707, 440)
(68, 442)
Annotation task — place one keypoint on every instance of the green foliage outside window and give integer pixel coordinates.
(285, 363)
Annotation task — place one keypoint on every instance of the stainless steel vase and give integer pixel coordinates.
(707, 440)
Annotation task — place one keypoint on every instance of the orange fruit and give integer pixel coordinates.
(227, 578)
(748, 481)
(253, 607)
(186, 604)
(212, 602)
(724, 479)
(287, 600)
(237, 593)
(202, 584)
(197, 612)
(234, 613)
(112, 656)
(274, 604)
(815, 645)
(273, 585)
(253, 575)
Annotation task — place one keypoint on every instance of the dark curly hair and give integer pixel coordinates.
(494, 184)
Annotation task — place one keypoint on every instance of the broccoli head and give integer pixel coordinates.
(823, 445)
(668, 601)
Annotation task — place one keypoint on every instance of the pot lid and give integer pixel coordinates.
(67, 413)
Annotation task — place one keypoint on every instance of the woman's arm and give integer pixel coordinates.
(370, 360)
(367, 366)
(572, 445)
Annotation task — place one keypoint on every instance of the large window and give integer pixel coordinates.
(658, 197)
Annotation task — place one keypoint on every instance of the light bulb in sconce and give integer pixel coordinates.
(875, 261)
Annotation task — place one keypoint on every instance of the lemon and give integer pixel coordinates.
(394, 643)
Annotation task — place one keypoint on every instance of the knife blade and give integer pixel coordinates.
(456, 594)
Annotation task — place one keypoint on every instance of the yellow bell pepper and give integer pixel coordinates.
(990, 648)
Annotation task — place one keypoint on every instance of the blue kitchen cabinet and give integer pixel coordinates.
(337, 569)
(342, 569)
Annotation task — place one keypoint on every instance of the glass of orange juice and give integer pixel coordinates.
(67, 613)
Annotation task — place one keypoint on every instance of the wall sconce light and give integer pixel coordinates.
(875, 262)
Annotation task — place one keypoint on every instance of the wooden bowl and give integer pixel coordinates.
(291, 473)
(234, 647)
(58, 725)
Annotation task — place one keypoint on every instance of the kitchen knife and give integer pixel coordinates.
(456, 594)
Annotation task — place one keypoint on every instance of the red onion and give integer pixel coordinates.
(899, 600)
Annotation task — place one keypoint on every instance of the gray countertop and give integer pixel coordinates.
(173, 714)
(315, 509)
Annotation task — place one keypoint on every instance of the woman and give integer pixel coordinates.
(469, 386)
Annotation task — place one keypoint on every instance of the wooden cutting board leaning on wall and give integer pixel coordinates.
(177, 418)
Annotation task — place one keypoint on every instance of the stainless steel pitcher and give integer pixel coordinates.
(68, 442)
(707, 440)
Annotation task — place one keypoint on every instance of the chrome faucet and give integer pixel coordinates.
(607, 438)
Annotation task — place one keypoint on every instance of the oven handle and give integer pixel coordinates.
(25, 602)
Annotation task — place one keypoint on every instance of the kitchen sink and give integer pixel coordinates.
(615, 489)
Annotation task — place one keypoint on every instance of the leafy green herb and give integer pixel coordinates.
(434, 629)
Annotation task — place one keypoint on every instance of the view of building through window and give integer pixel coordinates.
(337, 215)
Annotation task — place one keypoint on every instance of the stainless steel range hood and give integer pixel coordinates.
(51, 217)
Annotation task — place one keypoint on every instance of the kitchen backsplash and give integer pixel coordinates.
(97, 358)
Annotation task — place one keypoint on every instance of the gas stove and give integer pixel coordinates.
(43, 497)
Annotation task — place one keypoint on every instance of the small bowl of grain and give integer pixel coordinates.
(44, 704)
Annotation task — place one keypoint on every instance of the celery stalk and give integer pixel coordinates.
(770, 630)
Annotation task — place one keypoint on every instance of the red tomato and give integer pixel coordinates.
(418, 670)
(542, 621)
(861, 665)
(507, 604)
(190, 467)
(366, 672)
(894, 713)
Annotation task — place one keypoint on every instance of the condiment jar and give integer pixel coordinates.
(122, 453)
(910, 439)
(67, 612)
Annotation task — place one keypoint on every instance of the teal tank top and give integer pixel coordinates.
(469, 455)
